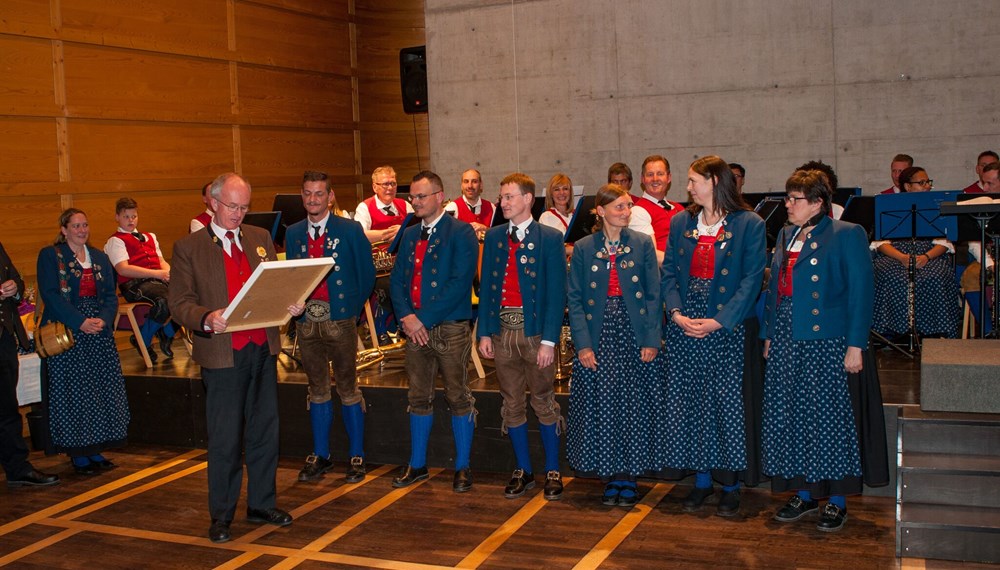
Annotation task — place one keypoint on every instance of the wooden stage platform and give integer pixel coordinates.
(152, 510)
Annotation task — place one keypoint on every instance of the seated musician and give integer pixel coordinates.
(381, 216)
(936, 306)
(143, 275)
(471, 208)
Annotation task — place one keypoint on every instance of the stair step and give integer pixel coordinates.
(965, 544)
(950, 436)
(948, 488)
(949, 516)
(952, 463)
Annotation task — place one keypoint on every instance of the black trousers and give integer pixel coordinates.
(241, 408)
(13, 450)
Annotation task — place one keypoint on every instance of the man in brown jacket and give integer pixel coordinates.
(238, 369)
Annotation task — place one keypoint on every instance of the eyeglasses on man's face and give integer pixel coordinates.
(234, 207)
(386, 185)
(421, 197)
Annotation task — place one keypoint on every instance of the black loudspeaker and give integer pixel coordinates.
(413, 79)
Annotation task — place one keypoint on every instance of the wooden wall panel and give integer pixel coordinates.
(25, 17)
(393, 143)
(28, 148)
(274, 37)
(114, 150)
(269, 153)
(114, 83)
(32, 223)
(26, 79)
(193, 27)
(294, 98)
(334, 9)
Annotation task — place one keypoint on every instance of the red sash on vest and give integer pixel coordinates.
(485, 215)
(140, 253)
(236, 276)
(205, 218)
(381, 220)
(511, 294)
(660, 218)
(560, 218)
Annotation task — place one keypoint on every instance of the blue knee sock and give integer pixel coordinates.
(168, 329)
(420, 432)
(839, 500)
(147, 329)
(550, 442)
(730, 488)
(703, 480)
(354, 423)
(321, 417)
(519, 440)
(462, 426)
(805, 495)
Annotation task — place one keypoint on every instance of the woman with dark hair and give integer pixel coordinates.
(615, 315)
(817, 317)
(937, 311)
(711, 277)
(83, 387)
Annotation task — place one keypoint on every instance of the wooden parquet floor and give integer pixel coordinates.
(151, 512)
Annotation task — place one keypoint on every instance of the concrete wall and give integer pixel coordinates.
(575, 85)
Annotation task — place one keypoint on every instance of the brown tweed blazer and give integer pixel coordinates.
(198, 287)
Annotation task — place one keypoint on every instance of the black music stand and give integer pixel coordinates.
(860, 210)
(583, 220)
(292, 210)
(754, 198)
(266, 220)
(912, 215)
(772, 209)
(978, 222)
(842, 196)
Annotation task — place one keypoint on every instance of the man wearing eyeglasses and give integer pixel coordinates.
(431, 287)
(470, 207)
(239, 369)
(143, 275)
(521, 305)
(381, 216)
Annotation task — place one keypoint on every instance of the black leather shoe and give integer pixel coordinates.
(729, 504)
(553, 486)
(103, 465)
(795, 509)
(695, 498)
(33, 478)
(356, 472)
(166, 343)
(135, 344)
(314, 468)
(463, 480)
(831, 518)
(274, 516)
(408, 476)
(519, 483)
(219, 531)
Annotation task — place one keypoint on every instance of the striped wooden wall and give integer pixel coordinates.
(151, 99)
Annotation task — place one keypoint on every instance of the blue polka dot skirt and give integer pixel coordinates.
(809, 427)
(702, 417)
(936, 297)
(611, 427)
(88, 409)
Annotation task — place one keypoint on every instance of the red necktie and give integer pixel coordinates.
(234, 250)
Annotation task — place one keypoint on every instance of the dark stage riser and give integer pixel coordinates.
(171, 411)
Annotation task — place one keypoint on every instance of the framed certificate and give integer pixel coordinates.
(274, 285)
